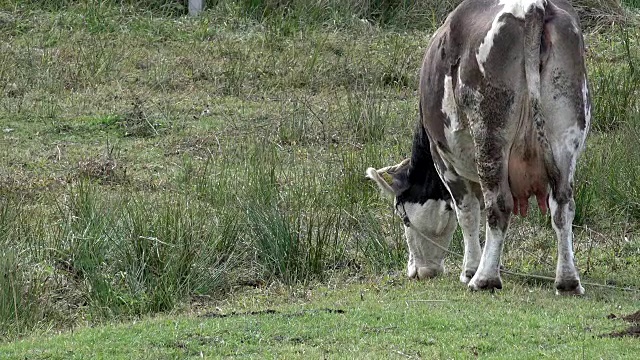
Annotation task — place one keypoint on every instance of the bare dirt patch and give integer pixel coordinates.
(632, 331)
(634, 318)
(269, 312)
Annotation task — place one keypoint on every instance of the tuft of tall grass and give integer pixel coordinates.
(616, 84)
(378, 248)
(293, 229)
(24, 278)
(295, 246)
(615, 96)
(401, 13)
(108, 256)
(170, 253)
(635, 4)
(366, 115)
(608, 188)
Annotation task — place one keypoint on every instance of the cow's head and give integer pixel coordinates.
(429, 221)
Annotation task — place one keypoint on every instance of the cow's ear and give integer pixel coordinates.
(392, 180)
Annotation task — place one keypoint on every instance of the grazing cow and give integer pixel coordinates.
(504, 113)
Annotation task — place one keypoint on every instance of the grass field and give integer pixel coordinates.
(150, 161)
(379, 318)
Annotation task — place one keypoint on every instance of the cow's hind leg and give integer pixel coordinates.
(566, 113)
(498, 206)
(492, 168)
(562, 212)
(562, 206)
(488, 116)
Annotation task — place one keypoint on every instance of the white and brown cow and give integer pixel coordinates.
(504, 112)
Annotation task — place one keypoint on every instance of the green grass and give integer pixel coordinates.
(387, 317)
(149, 159)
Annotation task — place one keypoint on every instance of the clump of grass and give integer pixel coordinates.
(293, 226)
(141, 255)
(161, 7)
(301, 125)
(17, 311)
(293, 128)
(378, 248)
(614, 191)
(135, 122)
(594, 13)
(290, 247)
(616, 88)
(366, 115)
(401, 13)
(234, 72)
(29, 297)
(635, 4)
(104, 168)
(172, 255)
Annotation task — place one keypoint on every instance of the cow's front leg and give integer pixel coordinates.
(467, 205)
(466, 198)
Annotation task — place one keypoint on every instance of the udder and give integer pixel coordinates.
(527, 177)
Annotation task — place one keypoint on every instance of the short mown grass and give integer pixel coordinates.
(382, 318)
(149, 159)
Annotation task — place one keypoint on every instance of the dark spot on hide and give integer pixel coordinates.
(443, 147)
(495, 105)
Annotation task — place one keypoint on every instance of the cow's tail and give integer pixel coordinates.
(533, 33)
(536, 50)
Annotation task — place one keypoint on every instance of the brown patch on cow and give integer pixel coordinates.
(502, 204)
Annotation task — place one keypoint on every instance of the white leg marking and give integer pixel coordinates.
(489, 268)
(449, 107)
(587, 107)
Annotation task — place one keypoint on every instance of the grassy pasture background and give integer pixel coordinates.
(149, 159)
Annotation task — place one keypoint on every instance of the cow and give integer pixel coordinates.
(504, 111)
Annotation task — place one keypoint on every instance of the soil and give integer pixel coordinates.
(632, 331)
(634, 318)
(268, 312)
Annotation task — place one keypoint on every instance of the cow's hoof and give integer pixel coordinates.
(466, 276)
(569, 287)
(478, 283)
(422, 272)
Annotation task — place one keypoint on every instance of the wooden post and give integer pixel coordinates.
(195, 7)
